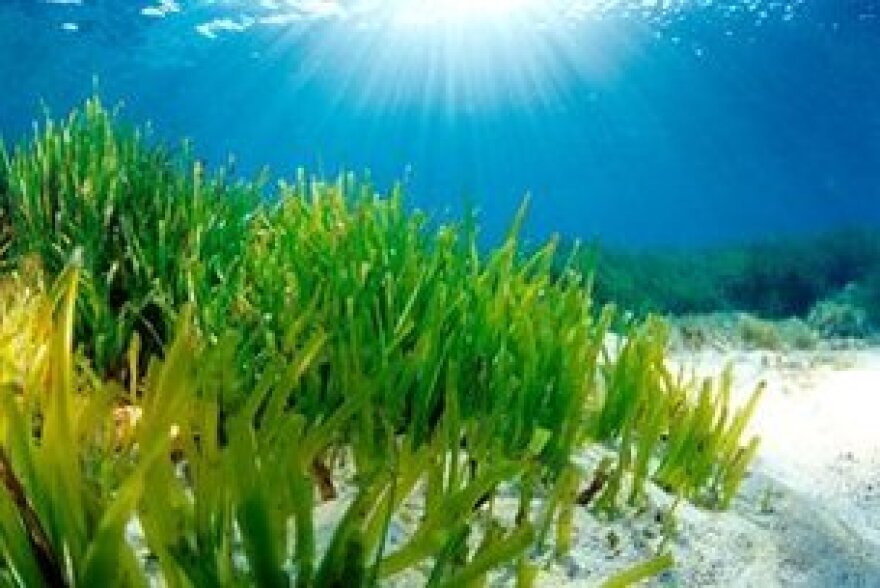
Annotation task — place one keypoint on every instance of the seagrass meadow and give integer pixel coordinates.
(209, 359)
(774, 279)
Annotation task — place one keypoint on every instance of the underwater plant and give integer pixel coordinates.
(71, 486)
(775, 279)
(325, 345)
(845, 314)
(155, 229)
(66, 492)
(758, 333)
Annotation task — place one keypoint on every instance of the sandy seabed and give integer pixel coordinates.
(808, 515)
(809, 512)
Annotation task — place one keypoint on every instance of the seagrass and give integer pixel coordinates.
(254, 338)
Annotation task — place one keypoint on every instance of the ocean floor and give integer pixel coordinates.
(808, 515)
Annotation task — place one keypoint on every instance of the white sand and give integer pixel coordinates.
(809, 512)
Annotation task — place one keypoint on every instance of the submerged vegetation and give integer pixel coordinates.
(820, 278)
(183, 356)
(156, 231)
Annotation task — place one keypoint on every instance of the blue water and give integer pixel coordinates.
(656, 122)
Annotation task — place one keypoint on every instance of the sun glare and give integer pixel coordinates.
(462, 55)
(426, 12)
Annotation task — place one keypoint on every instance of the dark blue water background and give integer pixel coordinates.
(672, 123)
